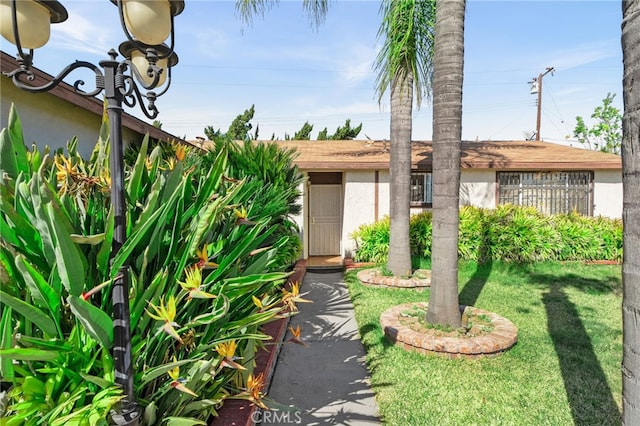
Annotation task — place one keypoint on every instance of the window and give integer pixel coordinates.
(420, 189)
(549, 192)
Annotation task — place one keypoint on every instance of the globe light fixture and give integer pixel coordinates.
(147, 63)
(150, 63)
(34, 18)
(147, 20)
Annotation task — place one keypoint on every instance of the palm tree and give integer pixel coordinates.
(447, 133)
(404, 64)
(247, 9)
(631, 213)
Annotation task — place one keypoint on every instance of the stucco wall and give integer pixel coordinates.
(46, 120)
(607, 193)
(359, 205)
(300, 218)
(478, 188)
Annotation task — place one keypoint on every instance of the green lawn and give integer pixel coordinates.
(564, 370)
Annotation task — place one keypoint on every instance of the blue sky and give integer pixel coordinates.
(294, 74)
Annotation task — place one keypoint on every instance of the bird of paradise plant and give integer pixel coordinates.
(56, 270)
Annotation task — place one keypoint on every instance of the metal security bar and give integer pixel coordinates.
(420, 189)
(549, 192)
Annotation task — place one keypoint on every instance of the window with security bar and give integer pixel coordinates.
(420, 189)
(549, 192)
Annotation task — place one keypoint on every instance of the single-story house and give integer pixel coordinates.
(54, 117)
(347, 183)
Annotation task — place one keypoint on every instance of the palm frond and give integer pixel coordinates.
(247, 9)
(317, 10)
(408, 33)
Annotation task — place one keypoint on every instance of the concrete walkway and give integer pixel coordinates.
(328, 382)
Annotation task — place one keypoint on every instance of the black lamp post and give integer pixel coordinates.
(147, 24)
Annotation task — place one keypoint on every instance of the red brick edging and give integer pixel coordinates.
(503, 336)
(238, 412)
(350, 264)
(373, 277)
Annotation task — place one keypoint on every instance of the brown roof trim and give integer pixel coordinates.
(496, 155)
(66, 92)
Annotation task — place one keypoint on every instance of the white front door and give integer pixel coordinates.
(325, 217)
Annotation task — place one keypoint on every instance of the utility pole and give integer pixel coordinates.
(536, 87)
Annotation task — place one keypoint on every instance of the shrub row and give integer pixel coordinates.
(206, 266)
(508, 233)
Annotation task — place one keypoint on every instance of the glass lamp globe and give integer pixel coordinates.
(34, 20)
(139, 60)
(148, 21)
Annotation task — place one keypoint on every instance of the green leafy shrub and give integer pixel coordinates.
(520, 234)
(420, 234)
(273, 182)
(203, 276)
(507, 233)
(372, 241)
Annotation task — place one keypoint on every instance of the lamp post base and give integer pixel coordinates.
(126, 414)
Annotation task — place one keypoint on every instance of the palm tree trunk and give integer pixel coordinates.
(631, 213)
(447, 133)
(399, 261)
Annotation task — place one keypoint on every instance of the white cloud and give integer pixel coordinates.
(356, 66)
(85, 29)
(577, 56)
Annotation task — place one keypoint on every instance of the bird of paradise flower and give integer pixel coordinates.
(167, 314)
(192, 284)
(227, 350)
(293, 296)
(177, 382)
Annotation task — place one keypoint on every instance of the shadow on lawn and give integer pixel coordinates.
(472, 289)
(586, 385)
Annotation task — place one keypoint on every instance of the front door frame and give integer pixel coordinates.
(321, 178)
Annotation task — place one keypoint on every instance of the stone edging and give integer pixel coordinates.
(239, 412)
(373, 277)
(503, 336)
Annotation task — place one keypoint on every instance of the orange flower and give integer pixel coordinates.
(241, 217)
(227, 350)
(293, 296)
(66, 173)
(296, 336)
(192, 284)
(174, 373)
(203, 258)
(181, 152)
(254, 390)
(166, 314)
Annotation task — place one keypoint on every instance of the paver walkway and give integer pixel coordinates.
(328, 382)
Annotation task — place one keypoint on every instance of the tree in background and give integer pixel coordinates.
(405, 62)
(631, 213)
(239, 129)
(443, 307)
(304, 134)
(342, 133)
(606, 134)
